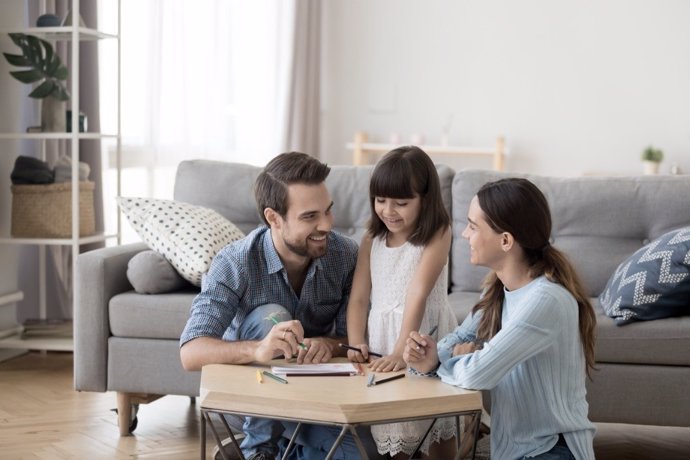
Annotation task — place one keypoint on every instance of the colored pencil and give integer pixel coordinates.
(372, 353)
(275, 377)
(389, 379)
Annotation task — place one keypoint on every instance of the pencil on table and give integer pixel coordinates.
(258, 376)
(275, 377)
(395, 377)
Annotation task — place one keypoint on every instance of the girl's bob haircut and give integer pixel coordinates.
(404, 173)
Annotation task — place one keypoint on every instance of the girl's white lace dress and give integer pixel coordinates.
(392, 270)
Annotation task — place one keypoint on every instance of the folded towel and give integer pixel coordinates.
(29, 170)
(63, 170)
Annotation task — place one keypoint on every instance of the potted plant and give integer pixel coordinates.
(651, 158)
(42, 65)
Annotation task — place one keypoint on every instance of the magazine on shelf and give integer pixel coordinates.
(306, 370)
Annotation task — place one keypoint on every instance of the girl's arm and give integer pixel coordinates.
(358, 306)
(434, 257)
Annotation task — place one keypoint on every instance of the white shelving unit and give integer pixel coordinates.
(74, 35)
(363, 150)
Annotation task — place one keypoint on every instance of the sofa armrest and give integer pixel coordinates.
(101, 274)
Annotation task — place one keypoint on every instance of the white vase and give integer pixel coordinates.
(650, 168)
(53, 115)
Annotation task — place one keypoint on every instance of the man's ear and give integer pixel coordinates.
(507, 241)
(272, 217)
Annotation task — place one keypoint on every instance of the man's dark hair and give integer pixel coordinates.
(270, 188)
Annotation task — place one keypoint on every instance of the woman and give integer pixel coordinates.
(530, 339)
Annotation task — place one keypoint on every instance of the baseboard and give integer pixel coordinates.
(9, 353)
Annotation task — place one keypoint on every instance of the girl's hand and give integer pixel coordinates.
(390, 363)
(420, 352)
(357, 357)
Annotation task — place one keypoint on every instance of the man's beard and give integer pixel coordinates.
(302, 249)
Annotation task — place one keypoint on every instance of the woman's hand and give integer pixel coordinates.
(420, 352)
(465, 348)
(391, 363)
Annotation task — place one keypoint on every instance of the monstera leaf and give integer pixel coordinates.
(43, 66)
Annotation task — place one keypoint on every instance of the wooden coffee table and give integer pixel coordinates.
(342, 401)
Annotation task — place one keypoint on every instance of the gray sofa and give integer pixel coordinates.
(128, 343)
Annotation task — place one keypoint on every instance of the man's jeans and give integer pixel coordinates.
(269, 436)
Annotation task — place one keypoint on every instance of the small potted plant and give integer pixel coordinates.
(651, 158)
(42, 65)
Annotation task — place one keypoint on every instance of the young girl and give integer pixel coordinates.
(537, 326)
(402, 271)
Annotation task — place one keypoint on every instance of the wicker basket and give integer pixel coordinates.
(45, 211)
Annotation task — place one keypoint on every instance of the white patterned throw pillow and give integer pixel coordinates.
(188, 236)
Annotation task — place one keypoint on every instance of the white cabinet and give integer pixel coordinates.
(73, 35)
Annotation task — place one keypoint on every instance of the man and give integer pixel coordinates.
(294, 269)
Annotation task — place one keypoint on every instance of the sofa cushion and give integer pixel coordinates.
(597, 221)
(654, 342)
(652, 283)
(150, 273)
(348, 185)
(462, 302)
(188, 236)
(161, 316)
(660, 342)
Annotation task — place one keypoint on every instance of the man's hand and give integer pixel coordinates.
(284, 338)
(390, 363)
(420, 352)
(318, 351)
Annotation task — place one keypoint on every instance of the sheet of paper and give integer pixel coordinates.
(315, 369)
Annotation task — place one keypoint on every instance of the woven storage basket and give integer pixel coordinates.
(45, 211)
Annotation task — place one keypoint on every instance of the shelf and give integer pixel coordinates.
(38, 343)
(73, 35)
(58, 241)
(430, 149)
(60, 33)
(40, 136)
(362, 149)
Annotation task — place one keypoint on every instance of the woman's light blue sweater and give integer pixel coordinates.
(535, 369)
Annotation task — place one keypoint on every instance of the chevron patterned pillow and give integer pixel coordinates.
(653, 283)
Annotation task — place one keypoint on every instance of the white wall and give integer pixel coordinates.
(576, 86)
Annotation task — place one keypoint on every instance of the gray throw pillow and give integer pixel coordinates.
(652, 283)
(150, 273)
(188, 236)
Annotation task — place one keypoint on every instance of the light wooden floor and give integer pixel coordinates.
(42, 417)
